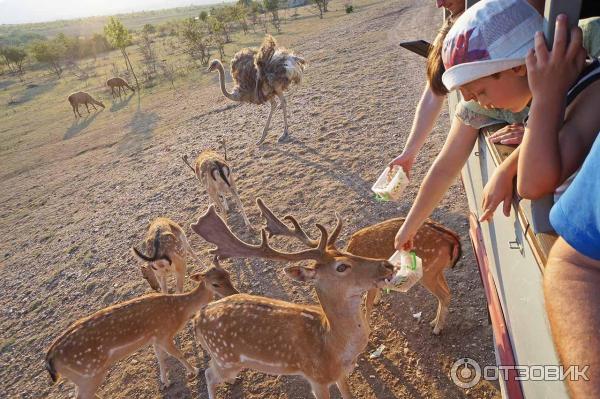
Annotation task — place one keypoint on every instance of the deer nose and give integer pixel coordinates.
(387, 266)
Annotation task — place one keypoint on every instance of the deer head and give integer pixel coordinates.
(332, 269)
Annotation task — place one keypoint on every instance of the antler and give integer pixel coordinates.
(213, 229)
(276, 227)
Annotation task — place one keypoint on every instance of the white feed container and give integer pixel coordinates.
(390, 188)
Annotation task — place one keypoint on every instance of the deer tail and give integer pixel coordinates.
(49, 365)
(155, 256)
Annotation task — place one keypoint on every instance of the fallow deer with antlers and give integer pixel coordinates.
(320, 342)
(437, 246)
(90, 346)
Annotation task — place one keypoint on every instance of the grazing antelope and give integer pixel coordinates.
(437, 246)
(168, 245)
(215, 173)
(319, 342)
(119, 84)
(81, 97)
(84, 353)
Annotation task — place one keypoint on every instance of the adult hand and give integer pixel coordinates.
(551, 73)
(509, 135)
(498, 189)
(405, 160)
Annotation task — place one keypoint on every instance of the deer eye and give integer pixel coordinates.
(216, 285)
(342, 268)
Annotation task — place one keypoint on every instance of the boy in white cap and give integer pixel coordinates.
(489, 57)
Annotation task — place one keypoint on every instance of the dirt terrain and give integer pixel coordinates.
(76, 197)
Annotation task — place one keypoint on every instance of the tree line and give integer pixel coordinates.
(199, 37)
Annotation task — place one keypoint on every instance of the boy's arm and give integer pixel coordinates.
(440, 177)
(550, 74)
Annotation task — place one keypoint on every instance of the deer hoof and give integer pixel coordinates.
(433, 322)
(166, 383)
(192, 374)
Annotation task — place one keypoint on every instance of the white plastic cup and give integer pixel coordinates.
(388, 188)
(408, 270)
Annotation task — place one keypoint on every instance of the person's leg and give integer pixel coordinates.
(572, 295)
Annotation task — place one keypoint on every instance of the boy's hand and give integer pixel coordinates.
(509, 135)
(498, 189)
(551, 73)
(403, 240)
(404, 160)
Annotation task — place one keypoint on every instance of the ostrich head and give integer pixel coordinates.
(213, 65)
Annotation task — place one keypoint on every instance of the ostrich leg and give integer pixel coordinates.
(285, 124)
(264, 132)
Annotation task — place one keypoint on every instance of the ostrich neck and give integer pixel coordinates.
(222, 81)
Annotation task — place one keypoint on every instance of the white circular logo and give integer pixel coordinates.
(465, 373)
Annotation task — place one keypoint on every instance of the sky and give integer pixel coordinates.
(24, 11)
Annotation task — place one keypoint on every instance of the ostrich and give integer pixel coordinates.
(260, 75)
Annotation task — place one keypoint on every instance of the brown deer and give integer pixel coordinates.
(320, 342)
(214, 172)
(119, 84)
(167, 243)
(84, 353)
(437, 246)
(81, 97)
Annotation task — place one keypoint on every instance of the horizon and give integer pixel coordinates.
(37, 11)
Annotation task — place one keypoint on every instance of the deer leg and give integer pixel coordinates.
(164, 376)
(439, 288)
(180, 274)
(74, 113)
(216, 375)
(224, 202)
(77, 108)
(87, 107)
(87, 386)
(162, 281)
(320, 391)
(344, 388)
(285, 124)
(169, 347)
(215, 198)
(238, 203)
(266, 128)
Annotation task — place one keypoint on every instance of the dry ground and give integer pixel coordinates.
(75, 197)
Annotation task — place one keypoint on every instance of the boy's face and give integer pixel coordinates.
(454, 6)
(507, 90)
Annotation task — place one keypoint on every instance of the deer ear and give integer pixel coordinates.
(198, 277)
(301, 273)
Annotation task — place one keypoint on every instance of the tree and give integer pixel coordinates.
(14, 58)
(321, 5)
(148, 29)
(195, 40)
(51, 52)
(119, 37)
(239, 13)
(148, 55)
(272, 6)
(203, 16)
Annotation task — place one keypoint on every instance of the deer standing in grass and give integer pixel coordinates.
(437, 246)
(81, 97)
(119, 84)
(215, 173)
(319, 342)
(167, 243)
(262, 75)
(84, 353)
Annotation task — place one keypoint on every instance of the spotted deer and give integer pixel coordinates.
(167, 243)
(84, 353)
(437, 246)
(319, 342)
(214, 172)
